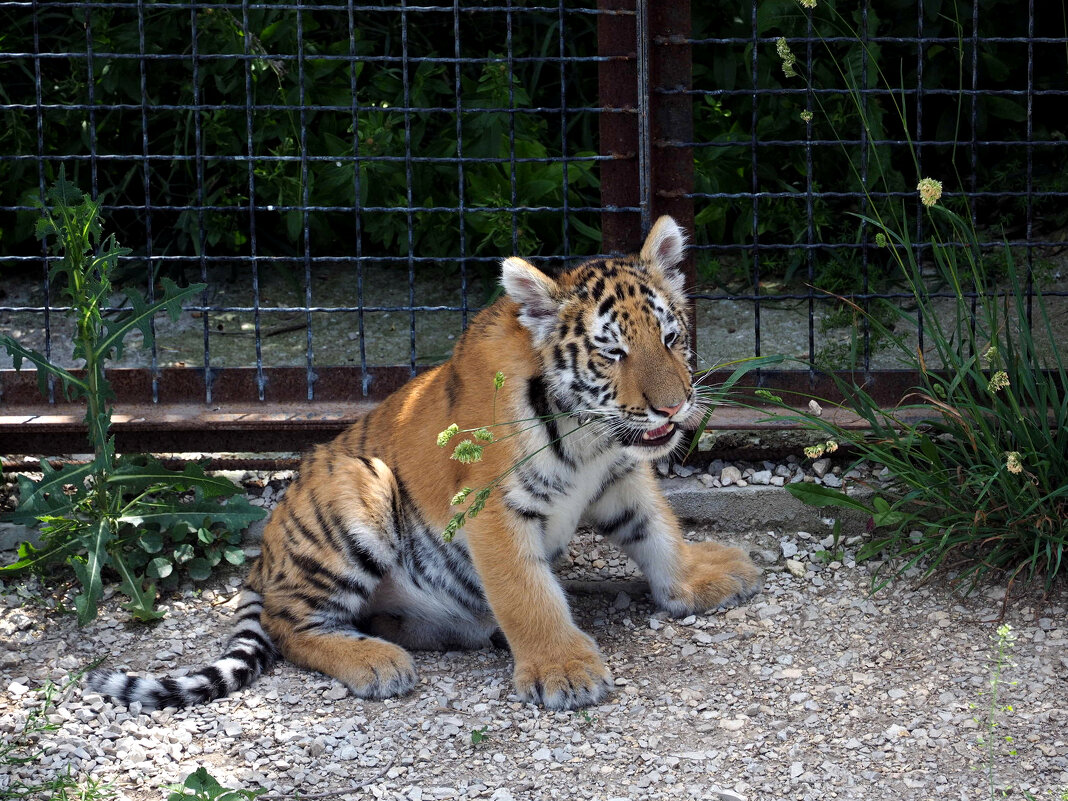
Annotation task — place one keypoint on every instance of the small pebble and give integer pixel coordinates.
(796, 568)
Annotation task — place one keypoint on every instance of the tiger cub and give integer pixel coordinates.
(354, 569)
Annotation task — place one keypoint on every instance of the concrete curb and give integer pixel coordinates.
(12, 535)
(753, 508)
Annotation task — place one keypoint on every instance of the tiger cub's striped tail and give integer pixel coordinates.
(249, 652)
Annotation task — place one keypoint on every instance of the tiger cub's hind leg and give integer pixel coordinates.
(328, 545)
(370, 667)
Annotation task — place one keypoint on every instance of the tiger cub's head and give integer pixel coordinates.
(613, 339)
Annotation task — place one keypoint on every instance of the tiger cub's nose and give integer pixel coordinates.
(668, 411)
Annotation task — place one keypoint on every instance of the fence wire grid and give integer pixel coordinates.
(346, 177)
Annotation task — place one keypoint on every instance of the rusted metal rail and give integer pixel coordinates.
(286, 421)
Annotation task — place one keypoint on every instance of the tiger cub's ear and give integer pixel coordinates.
(535, 292)
(664, 250)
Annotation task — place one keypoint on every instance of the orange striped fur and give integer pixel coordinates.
(354, 570)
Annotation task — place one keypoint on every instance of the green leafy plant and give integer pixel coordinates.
(129, 514)
(22, 749)
(979, 449)
(479, 736)
(202, 786)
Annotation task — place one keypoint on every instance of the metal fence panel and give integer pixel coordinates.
(346, 176)
(788, 156)
(329, 169)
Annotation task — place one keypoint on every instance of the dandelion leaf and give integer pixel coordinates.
(88, 569)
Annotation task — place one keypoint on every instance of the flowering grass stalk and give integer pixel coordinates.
(1004, 639)
(468, 451)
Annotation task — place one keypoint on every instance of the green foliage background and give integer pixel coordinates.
(107, 104)
(321, 86)
(729, 118)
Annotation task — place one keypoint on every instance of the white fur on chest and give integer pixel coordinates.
(568, 505)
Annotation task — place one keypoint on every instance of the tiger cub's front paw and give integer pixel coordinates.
(564, 678)
(714, 576)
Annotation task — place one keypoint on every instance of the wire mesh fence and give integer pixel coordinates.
(346, 176)
(808, 122)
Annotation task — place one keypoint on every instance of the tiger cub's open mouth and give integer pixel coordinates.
(650, 438)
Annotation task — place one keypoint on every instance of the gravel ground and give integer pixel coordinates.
(813, 690)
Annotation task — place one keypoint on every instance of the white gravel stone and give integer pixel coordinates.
(821, 467)
(811, 690)
(719, 794)
(730, 475)
(17, 689)
(336, 692)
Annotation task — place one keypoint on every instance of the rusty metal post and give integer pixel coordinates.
(671, 122)
(617, 43)
(646, 125)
